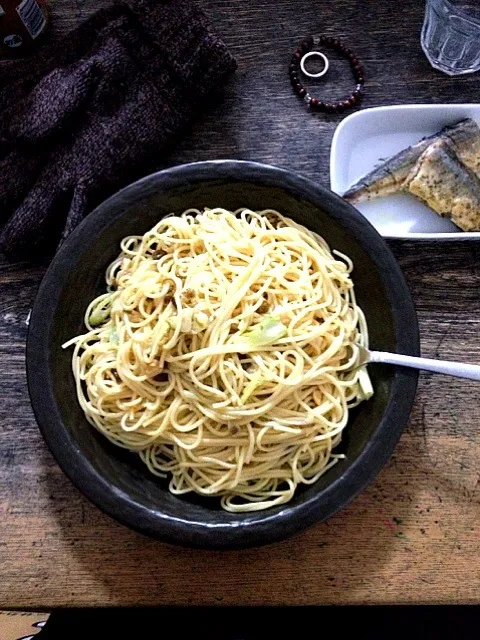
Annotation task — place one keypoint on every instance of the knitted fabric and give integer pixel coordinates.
(106, 105)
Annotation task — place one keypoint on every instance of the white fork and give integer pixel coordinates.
(458, 369)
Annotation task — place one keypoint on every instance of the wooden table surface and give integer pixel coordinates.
(414, 535)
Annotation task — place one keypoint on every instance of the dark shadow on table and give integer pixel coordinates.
(209, 623)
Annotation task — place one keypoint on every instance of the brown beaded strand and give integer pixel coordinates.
(318, 105)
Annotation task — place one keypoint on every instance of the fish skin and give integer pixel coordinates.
(465, 140)
(390, 177)
(447, 186)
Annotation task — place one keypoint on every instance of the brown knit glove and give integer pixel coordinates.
(108, 104)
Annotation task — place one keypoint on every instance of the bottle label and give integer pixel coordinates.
(32, 17)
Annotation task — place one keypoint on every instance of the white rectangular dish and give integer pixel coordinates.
(367, 138)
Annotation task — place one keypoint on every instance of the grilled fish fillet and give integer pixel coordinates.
(447, 186)
(464, 140)
(390, 177)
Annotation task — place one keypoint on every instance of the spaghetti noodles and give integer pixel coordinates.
(223, 352)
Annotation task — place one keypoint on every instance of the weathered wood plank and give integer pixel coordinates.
(414, 534)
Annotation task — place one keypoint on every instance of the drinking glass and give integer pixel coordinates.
(451, 35)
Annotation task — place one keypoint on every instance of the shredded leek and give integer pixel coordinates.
(252, 385)
(268, 331)
(101, 312)
(365, 384)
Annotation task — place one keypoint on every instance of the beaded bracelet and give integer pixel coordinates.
(318, 105)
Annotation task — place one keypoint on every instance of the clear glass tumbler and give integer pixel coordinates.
(451, 35)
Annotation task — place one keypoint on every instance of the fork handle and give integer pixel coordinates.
(458, 369)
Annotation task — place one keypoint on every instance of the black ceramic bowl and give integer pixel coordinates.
(116, 480)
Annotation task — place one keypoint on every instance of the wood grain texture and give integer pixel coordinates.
(414, 534)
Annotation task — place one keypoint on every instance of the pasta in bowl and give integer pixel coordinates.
(224, 353)
(216, 358)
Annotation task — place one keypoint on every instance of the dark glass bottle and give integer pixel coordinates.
(22, 25)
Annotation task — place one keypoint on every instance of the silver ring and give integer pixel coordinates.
(319, 55)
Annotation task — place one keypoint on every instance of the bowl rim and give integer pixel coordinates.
(262, 527)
